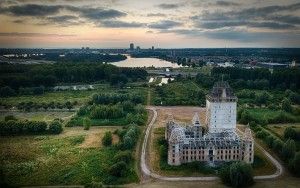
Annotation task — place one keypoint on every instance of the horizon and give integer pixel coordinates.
(177, 24)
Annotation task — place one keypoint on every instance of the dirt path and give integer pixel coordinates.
(147, 172)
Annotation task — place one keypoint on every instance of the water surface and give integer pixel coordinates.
(144, 62)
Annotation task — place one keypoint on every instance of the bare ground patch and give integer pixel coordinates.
(94, 137)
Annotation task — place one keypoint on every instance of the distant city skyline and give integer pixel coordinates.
(162, 24)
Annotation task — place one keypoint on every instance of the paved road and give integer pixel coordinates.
(147, 172)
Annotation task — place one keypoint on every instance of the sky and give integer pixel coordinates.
(146, 23)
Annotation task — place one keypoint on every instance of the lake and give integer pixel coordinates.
(144, 62)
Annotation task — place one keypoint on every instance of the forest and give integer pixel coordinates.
(15, 77)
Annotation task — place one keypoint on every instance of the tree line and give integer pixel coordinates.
(287, 78)
(16, 76)
(25, 127)
(286, 149)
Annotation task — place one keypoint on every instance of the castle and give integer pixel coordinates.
(217, 141)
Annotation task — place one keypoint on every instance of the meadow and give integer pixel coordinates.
(75, 157)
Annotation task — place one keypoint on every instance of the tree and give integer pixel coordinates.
(87, 123)
(107, 139)
(245, 117)
(269, 140)
(286, 105)
(10, 117)
(277, 145)
(123, 156)
(294, 164)
(55, 127)
(238, 174)
(288, 149)
(119, 169)
(7, 92)
(69, 105)
(290, 133)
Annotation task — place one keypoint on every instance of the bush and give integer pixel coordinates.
(288, 149)
(238, 174)
(269, 140)
(294, 164)
(131, 137)
(277, 145)
(286, 105)
(55, 127)
(12, 127)
(10, 117)
(290, 133)
(123, 156)
(107, 139)
(86, 123)
(119, 169)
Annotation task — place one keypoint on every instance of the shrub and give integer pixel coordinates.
(123, 156)
(12, 127)
(288, 149)
(107, 139)
(86, 123)
(286, 105)
(55, 127)
(277, 145)
(118, 169)
(294, 164)
(290, 133)
(10, 117)
(269, 140)
(131, 136)
(238, 174)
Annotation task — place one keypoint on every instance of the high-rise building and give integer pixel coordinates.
(131, 46)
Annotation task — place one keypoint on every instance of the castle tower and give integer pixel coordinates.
(221, 108)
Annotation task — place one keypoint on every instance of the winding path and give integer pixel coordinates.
(147, 172)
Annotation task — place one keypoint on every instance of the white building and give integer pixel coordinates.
(217, 141)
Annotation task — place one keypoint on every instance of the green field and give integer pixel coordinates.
(61, 159)
(80, 96)
(184, 93)
(38, 116)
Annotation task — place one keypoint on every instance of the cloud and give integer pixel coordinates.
(120, 24)
(17, 34)
(168, 6)
(64, 20)
(37, 10)
(226, 3)
(164, 24)
(156, 15)
(221, 24)
(32, 10)
(239, 35)
(97, 13)
(262, 17)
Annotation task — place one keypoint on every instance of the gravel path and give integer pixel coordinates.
(147, 172)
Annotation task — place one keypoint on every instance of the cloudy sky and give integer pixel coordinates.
(159, 23)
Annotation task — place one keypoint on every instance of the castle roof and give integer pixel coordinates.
(221, 91)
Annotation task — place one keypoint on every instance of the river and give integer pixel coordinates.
(145, 62)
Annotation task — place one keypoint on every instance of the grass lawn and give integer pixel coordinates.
(37, 116)
(263, 113)
(179, 93)
(278, 129)
(63, 96)
(70, 158)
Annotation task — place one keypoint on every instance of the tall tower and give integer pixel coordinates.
(221, 108)
(131, 46)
